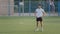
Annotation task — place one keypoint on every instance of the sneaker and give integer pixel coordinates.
(41, 29)
(37, 29)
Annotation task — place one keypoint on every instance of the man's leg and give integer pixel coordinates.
(41, 22)
(37, 26)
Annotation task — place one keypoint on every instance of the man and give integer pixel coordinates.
(52, 6)
(39, 13)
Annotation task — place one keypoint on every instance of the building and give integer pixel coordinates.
(6, 7)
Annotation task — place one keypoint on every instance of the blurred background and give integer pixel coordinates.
(17, 16)
(27, 7)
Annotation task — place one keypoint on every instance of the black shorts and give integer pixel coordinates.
(39, 19)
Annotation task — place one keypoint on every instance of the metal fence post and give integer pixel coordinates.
(29, 7)
(58, 8)
(8, 7)
(19, 7)
(49, 7)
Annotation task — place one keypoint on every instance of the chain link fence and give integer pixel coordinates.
(27, 8)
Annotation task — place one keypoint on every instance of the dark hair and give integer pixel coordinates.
(39, 5)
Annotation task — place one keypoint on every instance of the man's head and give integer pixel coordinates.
(39, 6)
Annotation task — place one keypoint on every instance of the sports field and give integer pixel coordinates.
(26, 25)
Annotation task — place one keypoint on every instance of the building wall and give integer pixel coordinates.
(4, 10)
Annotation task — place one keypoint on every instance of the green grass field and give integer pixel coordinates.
(26, 25)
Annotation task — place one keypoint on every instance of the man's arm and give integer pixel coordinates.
(35, 13)
(44, 13)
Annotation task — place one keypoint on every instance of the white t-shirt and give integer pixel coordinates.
(39, 12)
(52, 3)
